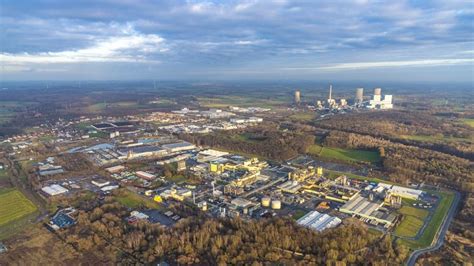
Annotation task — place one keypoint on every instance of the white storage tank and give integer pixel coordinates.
(266, 201)
(276, 204)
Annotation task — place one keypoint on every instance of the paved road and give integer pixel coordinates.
(440, 235)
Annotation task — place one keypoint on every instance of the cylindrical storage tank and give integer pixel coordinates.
(276, 204)
(378, 91)
(266, 201)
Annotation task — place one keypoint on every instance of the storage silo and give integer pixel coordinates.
(359, 95)
(297, 97)
(276, 204)
(377, 91)
(266, 201)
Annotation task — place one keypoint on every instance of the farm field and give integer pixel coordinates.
(14, 205)
(344, 154)
(413, 219)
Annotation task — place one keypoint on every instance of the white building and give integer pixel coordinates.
(54, 190)
(318, 221)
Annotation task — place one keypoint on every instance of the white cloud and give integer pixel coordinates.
(129, 47)
(410, 63)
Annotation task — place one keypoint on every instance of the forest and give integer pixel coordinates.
(260, 141)
(408, 127)
(211, 241)
(406, 164)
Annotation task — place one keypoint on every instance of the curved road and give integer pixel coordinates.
(440, 235)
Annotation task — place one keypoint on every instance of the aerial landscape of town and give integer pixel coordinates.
(328, 170)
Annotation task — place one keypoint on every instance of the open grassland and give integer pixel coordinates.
(14, 205)
(437, 138)
(302, 116)
(409, 226)
(241, 101)
(412, 221)
(344, 154)
(3, 174)
(446, 199)
(468, 121)
(298, 214)
(132, 200)
(415, 212)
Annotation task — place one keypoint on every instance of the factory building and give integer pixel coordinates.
(180, 146)
(368, 209)
(142, 151)
(301, 175)
(178, 194)
(318, 221)
(290, 187)
(210, 155)
(54, 190)
(145, 175)
(378, 103)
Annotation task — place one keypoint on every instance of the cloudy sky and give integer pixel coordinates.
(132, 39)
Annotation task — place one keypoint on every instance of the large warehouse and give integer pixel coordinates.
(365, 208)
(318, 221)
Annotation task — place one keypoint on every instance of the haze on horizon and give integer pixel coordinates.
(343, 40)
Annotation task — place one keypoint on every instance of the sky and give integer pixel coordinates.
(217, 40)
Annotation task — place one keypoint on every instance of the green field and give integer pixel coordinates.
(241, 101)
(344, 154)
(132, 200)
(428, 235)
(412, 221)
(298, 214)
(3, 173)
(468, 121)
(303, 116)
(436, 138)
(14, 205)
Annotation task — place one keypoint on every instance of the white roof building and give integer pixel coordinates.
(54, 190)
(318, 221)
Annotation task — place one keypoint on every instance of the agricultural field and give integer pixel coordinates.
(412, 221)
(14, 205)
(344, 154)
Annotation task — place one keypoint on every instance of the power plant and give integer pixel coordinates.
(378, 101)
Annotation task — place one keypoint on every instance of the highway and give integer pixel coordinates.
(440, 235)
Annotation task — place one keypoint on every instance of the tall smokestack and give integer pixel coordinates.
(330, 92)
